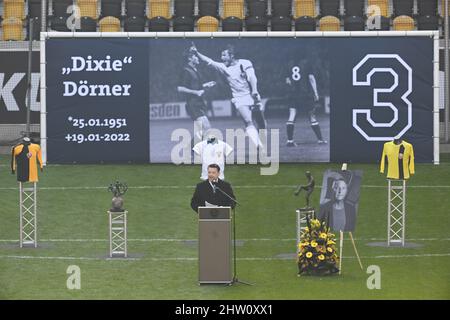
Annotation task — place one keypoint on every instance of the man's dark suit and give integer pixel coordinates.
(204, 192)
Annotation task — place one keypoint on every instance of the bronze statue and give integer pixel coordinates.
(118, 189)
(309, 188)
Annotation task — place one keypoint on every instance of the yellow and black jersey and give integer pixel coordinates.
(24, 158)
(399, 158)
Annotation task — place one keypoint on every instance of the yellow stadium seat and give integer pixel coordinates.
(329, 23)
(88, 8)
(14, 9)
(443, 8)
(233, 8)
(305, 8)
(109, 24)
(403, 23)
(12, 29)
(159, 8)
(383, 7)
(207, 24)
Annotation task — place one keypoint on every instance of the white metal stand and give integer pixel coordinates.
(28, 215)
(301, 220)
(118, 234)
(396, 212)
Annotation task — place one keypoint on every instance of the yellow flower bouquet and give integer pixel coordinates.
(317, 250)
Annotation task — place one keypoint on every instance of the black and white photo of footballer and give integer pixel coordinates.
(241, 77)
(228, 84)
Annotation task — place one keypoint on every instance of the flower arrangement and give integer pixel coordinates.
(317, 249)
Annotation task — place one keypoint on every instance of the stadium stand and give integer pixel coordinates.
(159, 8)
(329, 23)
(183, 23)
(256, 23)
(232, 24)
(208, 8)
(207, 24)
(280, 23)
(233, 8)
(305, 8)
(158, 24)
(111, 8)
(134, 24)
(305, 24)
(109, 24)
(403, 23)
(88, 8)
(329, 7)
(354, 8)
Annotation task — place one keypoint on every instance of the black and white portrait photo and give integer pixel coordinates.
(339, 199)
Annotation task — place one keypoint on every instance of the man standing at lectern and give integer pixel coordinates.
(212, 191)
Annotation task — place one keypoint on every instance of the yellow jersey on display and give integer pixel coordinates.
(399, 158)
(24, 161)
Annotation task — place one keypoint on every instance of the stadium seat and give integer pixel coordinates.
(329, 7)
(403, 23)
(443, 8)
(281, 23)
(232, 24)
(207, 24)
(428, 7)
(256, 23)
(60, 8)
(257, 8)
(111, 8)
(428, 23)
(109, 24)
(305, 24)
(158, 24)
(354, 23)
(159, 8)
(208, 8)
(59, 24)
(34, 8)
(36, 22)
(382, 7)
(88, 8)
(134, 24)
(305, 8)
(184, 8)
(12, 29)
(135, 8)
(403, 7)
(384, 23)
(233, 8)
(354, 8)
(14, 9)
(329, 23)
(282, 8)
(88, 24)
(183, 24)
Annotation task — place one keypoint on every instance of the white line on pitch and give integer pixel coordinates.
(280, 186)
(187, 240)
(195, 259)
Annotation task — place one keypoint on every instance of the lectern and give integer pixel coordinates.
(214, 245)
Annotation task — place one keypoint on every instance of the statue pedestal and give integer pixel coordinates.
(118, 234)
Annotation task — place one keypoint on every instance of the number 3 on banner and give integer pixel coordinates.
(382, 104)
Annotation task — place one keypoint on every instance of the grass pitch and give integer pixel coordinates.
(162, 228)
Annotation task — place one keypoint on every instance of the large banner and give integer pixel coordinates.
(323, 99)
(13, 87)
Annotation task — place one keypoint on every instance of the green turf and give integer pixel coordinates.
(266, 213)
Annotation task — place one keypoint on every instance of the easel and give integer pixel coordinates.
(341, 239)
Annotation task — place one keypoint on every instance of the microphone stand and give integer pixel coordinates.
(235, 278)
